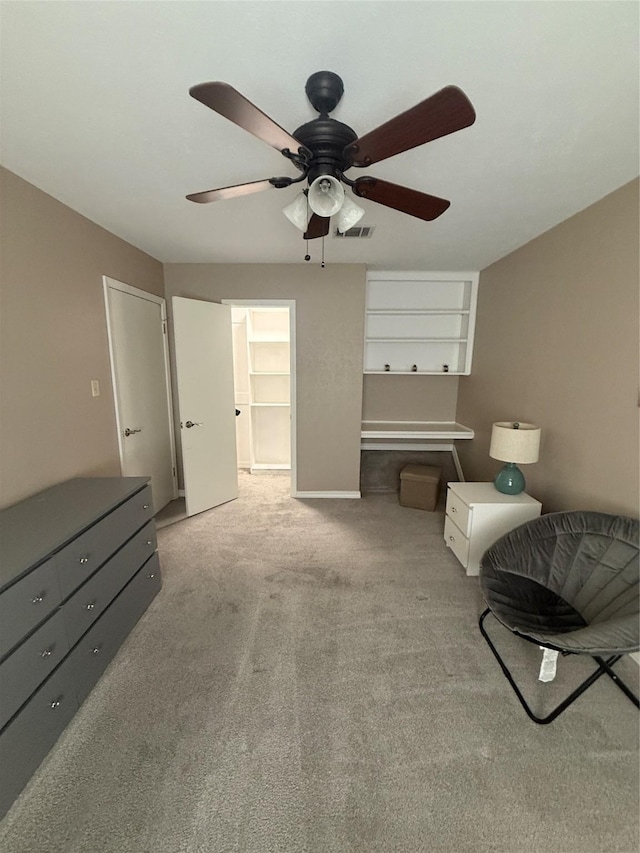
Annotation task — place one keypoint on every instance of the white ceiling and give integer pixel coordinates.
(95, 111)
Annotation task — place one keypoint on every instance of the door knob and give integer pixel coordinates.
(129, 432)
(190, 424)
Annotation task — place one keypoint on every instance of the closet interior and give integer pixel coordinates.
(262, 375)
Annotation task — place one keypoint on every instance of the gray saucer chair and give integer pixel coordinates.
(567, 581)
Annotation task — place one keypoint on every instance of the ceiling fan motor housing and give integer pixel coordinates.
(326, 138)
(324, 90)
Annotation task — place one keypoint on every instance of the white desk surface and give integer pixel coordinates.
(415, 430)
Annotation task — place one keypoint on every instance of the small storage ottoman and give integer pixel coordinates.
(420, 486)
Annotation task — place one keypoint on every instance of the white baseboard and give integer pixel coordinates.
(326, 495)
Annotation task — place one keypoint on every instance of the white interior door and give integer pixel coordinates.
(204, 379)
(139, 366)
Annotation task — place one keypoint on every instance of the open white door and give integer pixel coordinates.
(204, 378)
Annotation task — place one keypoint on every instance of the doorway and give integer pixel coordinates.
(264, 379)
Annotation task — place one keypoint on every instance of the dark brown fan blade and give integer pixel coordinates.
(401, 198)
(443, 113)
(318, 227)
(228, 102)
(230, 192)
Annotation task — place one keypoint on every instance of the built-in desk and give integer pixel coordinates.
(415, 435)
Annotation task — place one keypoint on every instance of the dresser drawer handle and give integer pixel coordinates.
(145, 506)
(452, 538)
(95, 651)
(56, 702)
(149, 542)
(90, 606)
(453, 509)
(152, 575)
(38, 599)
(83, 560)
(46, 653)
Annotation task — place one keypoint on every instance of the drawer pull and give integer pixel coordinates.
(145, 506)
(452, 538)
(149, 542)
(38, 599)
(56, 702)
(453, 509)
(46, 653)
(90, 606)
(95, 651)
(83, 560)
(152, 575)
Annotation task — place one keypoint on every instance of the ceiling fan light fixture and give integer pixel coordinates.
(297, 212)
(326, 195)
(349, 215)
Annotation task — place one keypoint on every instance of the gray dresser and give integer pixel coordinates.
(78, 568)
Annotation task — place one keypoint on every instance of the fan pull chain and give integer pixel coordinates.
(307, 257)
(322, 262)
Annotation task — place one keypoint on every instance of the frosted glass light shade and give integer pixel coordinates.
(297, 212)
(512, 441)
(326, 195)
(349, 214)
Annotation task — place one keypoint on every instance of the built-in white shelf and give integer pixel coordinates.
(420, 322)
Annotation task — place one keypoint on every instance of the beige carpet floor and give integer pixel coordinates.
(311, 679)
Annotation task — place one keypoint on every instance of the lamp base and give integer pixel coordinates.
(510, 480)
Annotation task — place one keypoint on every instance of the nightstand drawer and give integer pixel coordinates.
(458, 511)
(456, 540)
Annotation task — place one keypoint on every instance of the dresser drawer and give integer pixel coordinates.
(27, 603)
(82, 557)
(458, 511)
(32, 733)
(24, 670)
(456, 540)
(94, 651)
(85, 605)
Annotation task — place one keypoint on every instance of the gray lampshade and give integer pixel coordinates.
(514, 441)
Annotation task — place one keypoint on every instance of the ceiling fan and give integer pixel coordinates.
(323, 149)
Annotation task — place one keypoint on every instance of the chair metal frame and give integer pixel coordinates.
(604, 667)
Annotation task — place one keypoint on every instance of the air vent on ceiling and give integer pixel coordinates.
(360, 231)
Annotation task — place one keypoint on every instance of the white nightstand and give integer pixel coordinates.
(478, 514)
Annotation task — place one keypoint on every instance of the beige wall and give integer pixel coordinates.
(54, 340)
(329, 335)
(409, 398)
(557, 345)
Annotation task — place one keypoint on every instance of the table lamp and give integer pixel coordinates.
(513, 442)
